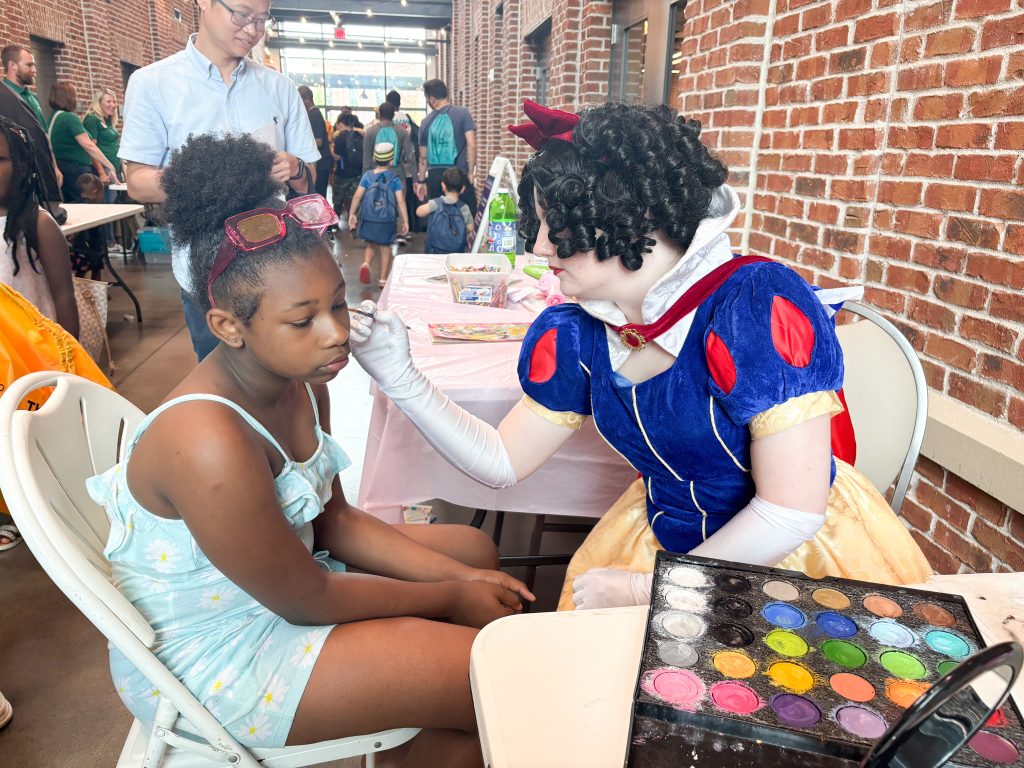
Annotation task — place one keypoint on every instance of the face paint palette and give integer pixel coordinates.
(749, 666)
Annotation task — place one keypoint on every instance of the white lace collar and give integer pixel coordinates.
(709, 249)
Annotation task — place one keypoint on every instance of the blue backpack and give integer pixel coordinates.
(441, 149)
(378, 210)
(446, 230)
(390, 135)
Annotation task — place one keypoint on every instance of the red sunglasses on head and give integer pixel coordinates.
(260, 227)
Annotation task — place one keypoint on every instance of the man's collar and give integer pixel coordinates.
(709, 248)
(206, 66)
(19, 89)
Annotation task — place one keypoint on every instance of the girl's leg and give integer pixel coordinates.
(464, 543)
(394, 673)
(364, 270)
(385, 262)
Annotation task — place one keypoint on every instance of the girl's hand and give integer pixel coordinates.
(500, 578)
(478, 603)
(352, 222)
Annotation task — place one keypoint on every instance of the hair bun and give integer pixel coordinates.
(211, 178)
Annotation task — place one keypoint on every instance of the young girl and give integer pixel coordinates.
(35, 258)
(228, 523)
(715, 376)
(378, 203)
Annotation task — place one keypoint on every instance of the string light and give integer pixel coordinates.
(302, 19)
(369, 11)
(330, 43)
(405, 3)
(302, 41)
(359, 44)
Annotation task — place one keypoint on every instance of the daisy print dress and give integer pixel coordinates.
(245, 664)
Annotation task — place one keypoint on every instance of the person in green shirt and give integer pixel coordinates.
(101, 123)
(75, 151)
(19, 73)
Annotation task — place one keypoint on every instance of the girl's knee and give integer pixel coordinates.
(480, 550)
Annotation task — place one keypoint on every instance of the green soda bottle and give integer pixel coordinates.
(501, 226)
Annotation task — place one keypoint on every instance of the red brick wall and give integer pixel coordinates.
(492, 67)
(93, 39)
(889, 155)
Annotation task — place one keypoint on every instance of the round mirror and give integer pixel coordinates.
(952, 713)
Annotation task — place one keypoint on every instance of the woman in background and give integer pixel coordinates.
(100, 122)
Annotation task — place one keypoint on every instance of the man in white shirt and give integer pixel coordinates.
(213, 87)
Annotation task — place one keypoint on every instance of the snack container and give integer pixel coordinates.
(478, 278)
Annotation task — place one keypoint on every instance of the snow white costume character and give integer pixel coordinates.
(715, 376)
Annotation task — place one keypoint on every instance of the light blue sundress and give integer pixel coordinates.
(247, 665)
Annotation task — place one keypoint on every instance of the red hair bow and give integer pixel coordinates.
(546, 124)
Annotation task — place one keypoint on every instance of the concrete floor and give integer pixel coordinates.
(53, 662)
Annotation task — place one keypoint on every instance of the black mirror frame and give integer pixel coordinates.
(1002, 654)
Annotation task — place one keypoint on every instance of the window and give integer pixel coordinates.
(541, 42)
(629, 54)
(677, 20)
(358, 79)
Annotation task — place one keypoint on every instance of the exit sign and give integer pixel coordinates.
(339, 33)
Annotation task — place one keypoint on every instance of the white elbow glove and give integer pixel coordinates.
(762, 533)
(611, 588)
(381, 345)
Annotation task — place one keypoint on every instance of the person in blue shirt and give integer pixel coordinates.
(213, 87)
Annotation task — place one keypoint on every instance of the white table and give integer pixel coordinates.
(582, 479)
(82, 216)
(555, 690)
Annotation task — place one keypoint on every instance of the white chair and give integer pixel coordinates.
(887, 394)
(45, 458)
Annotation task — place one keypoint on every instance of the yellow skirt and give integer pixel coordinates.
(861, 539)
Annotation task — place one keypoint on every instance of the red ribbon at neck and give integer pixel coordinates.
(635, 335)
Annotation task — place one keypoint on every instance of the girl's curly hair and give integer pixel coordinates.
(628, 172)
(25, 195)
(209, 179)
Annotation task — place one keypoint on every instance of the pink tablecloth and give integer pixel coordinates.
(582, 479)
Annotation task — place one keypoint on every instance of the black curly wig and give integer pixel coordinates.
(629, 171)
(209, 179)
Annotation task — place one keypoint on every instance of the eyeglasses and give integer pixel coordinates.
(260, 227)
(240, 19)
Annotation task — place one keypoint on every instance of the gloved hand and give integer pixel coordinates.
(381, 345)
(611, 588)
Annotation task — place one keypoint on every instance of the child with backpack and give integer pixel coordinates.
(385, 129)
(378, 209)
(450, 226)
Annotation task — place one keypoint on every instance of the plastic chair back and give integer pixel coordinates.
(887, 394)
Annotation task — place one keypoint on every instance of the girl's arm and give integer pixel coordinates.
(353, 209)
(369, 544)
(498, 457)
(403, 213)
(53, 253)
(425, 210)
(208, 467)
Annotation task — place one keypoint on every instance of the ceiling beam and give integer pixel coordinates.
(418, 12)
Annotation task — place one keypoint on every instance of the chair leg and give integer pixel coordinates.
(499, 523)
(478, 518)
(535, 541)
